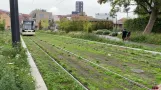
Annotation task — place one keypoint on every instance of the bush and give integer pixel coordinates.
(152, 38)
(2, 25)
(99, 32)
(139, 24)
(106, 32)
(114, 34)
(68, 26)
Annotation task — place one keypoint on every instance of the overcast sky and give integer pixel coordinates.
(62, 7)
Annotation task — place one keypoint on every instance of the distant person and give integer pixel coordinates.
(124, 34)
(128, 35)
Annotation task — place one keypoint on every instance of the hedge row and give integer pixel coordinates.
(68, 26)
(139, 24)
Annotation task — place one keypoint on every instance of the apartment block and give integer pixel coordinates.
(38, 15)
(79, 6)
(6, 18)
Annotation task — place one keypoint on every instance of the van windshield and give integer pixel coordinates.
(28, 25)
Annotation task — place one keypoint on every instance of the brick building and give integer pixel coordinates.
(6, 18)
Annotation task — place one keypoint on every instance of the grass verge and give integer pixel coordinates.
(14, 68)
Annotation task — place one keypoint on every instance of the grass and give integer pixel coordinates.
(14, 68)
(54, 77)
(93, 37)
(86, 73)
(153, 38)
(117, 59)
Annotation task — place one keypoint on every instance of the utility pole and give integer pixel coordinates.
(14, 14)
(116, 21)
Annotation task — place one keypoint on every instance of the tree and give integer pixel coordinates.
(151, 7)
(51, 25)
(40, 25)
(87, 26)
(65, 25)
(45, 24)
(2, 25)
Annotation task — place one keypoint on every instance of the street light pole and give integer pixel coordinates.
(14, 14)
(116, 21)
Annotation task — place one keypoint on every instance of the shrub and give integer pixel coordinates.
(99, 32)
(68, 26)
(2, 25)
(106, 32)
(87, 27)
(152, 38)
(113, 34)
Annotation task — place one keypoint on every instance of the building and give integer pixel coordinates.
(119, 23)
(56, 18)
(24, 17)
(75, 13)
(81, 18)
(38, 15)
(103, 16)
(79, 6)
(6, 18)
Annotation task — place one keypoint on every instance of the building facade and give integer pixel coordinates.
(24, 17)
(75, 13)
(4, 17)
(79, 6)
(103, 16)
(38, 15)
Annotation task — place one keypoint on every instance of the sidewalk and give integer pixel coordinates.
(110, 37)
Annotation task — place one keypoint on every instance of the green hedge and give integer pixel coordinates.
(139, 24)
(68, 26)
(2, 25)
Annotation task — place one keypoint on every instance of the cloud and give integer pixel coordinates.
(61, 7)
(54, 10)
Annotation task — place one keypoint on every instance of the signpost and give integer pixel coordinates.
(14, 14)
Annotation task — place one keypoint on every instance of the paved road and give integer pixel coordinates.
(110, 37)
(129, 42)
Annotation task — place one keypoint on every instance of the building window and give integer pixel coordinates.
(41, 15)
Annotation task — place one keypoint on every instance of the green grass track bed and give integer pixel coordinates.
(91, 76)
(54, 77)
(122, 61)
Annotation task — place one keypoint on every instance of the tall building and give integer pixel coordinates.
(79, 6)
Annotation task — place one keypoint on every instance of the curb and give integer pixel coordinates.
(40, 84)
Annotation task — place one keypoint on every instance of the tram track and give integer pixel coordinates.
(89, 61)
(75, 79)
